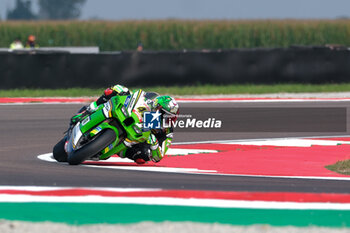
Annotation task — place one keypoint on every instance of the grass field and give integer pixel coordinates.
(179, 34)
(187, 90)
(341, 167)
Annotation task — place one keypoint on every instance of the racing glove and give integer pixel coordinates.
(156, 154)
(112, 91)
(120, 90)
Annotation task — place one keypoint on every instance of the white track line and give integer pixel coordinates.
(48, 157)
(53, 188)
(169, 201)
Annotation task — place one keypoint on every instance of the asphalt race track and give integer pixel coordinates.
(32, 129)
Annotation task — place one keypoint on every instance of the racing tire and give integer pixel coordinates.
(58, 151)
(92, 148)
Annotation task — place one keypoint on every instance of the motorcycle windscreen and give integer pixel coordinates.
(74, 139)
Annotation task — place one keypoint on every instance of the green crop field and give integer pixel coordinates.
(178, 34)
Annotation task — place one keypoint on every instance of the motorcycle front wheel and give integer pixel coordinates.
(58, 151)
(92, 148)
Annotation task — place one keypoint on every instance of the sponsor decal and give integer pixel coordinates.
(107, 109)
(86, 120)
(138, 114)
(131, 103)
(105, 112)
(108, 148)
(96, 130)
(107, 106)
(127, 100)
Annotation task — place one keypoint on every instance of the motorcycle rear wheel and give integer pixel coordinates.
(92, 148)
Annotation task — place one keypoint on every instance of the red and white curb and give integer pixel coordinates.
(220, 199)
(302, 158)
(116, 162)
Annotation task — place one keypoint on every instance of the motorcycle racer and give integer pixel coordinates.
(160, 139)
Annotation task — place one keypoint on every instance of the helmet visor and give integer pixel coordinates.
(168, 117)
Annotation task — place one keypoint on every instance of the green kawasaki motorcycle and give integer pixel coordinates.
(101, 133)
